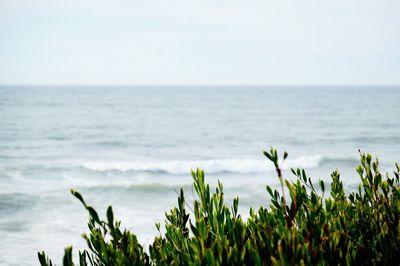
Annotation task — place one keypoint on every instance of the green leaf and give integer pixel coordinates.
(269, 156)
(67, 260)
(285, 155)
(110, 216)
(321, 183)
(93, 214)
(78, 196)
(44, 261)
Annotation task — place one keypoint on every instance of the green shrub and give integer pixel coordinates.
(301, 227)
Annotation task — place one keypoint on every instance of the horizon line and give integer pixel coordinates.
(195, 85)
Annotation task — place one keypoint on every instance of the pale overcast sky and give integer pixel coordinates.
(258, 42)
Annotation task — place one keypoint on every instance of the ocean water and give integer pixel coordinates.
(133, 148)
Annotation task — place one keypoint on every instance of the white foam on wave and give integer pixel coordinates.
(243, 166)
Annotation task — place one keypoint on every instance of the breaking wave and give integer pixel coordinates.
(177, 167)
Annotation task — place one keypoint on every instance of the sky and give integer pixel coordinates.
(199, 42)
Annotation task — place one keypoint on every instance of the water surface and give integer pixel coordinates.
(133, 147)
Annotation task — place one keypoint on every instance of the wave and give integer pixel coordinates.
(177, 167)
(16, 202)
(142, 187)
(339, 161)
(375, 139)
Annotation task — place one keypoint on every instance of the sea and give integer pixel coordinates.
(133, 147)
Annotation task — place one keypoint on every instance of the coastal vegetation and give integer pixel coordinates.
(307, 223)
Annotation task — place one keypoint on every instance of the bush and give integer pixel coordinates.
(301, 227)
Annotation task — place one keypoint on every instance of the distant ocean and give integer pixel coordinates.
(133, 147)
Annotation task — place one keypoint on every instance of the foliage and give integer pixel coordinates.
(360, 228)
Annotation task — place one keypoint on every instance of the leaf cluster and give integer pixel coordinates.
(359, 228)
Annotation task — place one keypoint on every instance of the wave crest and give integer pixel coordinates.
(176, 167)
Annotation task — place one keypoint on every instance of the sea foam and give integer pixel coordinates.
(177, 167)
